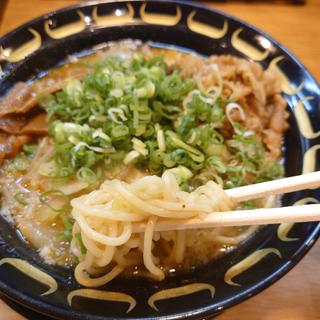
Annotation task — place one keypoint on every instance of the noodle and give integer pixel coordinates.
(180, 246)
(147, 250)
(110, 241)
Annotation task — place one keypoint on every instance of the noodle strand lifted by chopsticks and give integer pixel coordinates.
(104, 220)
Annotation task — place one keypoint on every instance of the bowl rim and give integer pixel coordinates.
(56, 312)
(183, 2)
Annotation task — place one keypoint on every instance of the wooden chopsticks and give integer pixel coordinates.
(303, 213)
(280, 186)
(256, 216)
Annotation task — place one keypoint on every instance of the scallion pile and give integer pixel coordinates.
(138, 113)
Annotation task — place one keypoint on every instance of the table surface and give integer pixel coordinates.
(297, 295)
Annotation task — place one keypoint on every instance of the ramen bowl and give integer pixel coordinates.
(30, 51)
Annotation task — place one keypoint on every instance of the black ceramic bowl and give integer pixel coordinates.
(44, 43)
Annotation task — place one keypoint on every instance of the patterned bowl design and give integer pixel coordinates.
(31, 50)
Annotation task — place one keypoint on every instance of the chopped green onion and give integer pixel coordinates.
(87, 175)
(147, 91)
(160, 138)
(48, 169)
(82, 247)
(131, 157)
(229, 108)
(30, 149)
(248, 205)
(139, 111)
(44, 201)
(179, 143)
(20, 197)
(182, 172)
(21, 163)
(66, 234)
(140, 147)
